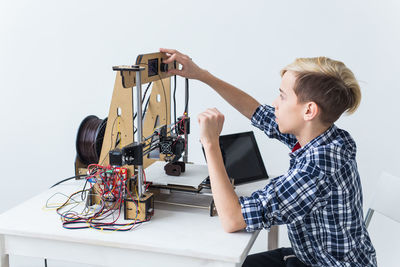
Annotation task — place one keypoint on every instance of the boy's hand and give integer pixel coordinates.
(211, 123)
(188, 70)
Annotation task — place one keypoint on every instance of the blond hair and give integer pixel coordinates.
(328, 83)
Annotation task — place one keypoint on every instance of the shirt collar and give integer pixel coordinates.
(320, 139)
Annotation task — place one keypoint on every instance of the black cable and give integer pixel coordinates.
(67, 179)
(151, 148)
(112, 129)
(174, 96)
(187, 94)
(145, 92)
(144, 112)
(83, 194)
(144, 96)
(165, 95)
(45, 262)
(147, 102)
(145, 107)
(151, 136)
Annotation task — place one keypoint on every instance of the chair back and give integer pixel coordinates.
(387, 198)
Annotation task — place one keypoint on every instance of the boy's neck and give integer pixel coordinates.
(310, 132)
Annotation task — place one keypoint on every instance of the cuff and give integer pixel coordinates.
(252, 213)
(260, 114)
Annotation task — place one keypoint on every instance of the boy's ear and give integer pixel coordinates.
(311, 111)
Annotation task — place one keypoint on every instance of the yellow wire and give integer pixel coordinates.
(137, 209)
(44, 208)
(91, 211)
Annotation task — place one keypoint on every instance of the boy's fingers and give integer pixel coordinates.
(175, 72)
(215, 112)
(170, 51)
(170, 59)
(201, 118)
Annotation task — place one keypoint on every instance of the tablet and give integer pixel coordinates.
(242, 158)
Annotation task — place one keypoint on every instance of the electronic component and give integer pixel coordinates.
(152, 67)
(163, 67)
(142, 209)
(133, 154)
(172, 147)
(166, 146)
(116, 157)
(183, 125)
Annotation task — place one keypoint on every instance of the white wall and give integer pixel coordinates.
(56, 59)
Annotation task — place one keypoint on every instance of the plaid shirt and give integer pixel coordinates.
(319, 198)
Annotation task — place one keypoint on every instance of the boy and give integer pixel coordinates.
(319, 198)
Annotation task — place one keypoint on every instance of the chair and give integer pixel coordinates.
(386, 202)
(387, 198)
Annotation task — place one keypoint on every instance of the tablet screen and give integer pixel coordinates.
(242, 157)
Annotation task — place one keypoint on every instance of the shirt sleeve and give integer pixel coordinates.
(264, 119)
(286, 199)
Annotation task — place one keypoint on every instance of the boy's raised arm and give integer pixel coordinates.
(240, 100)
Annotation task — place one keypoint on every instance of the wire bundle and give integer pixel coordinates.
(110, 185)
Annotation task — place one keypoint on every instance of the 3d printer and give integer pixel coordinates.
(114, 158)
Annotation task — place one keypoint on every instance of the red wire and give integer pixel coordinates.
(114, 184)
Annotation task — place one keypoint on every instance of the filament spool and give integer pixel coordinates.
(89, 139)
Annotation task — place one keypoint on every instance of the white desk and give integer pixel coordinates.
(175, 236)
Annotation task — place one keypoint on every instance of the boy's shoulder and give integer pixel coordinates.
(333, 150)
(335, 140)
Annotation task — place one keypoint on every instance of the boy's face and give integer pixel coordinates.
(288, 113)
